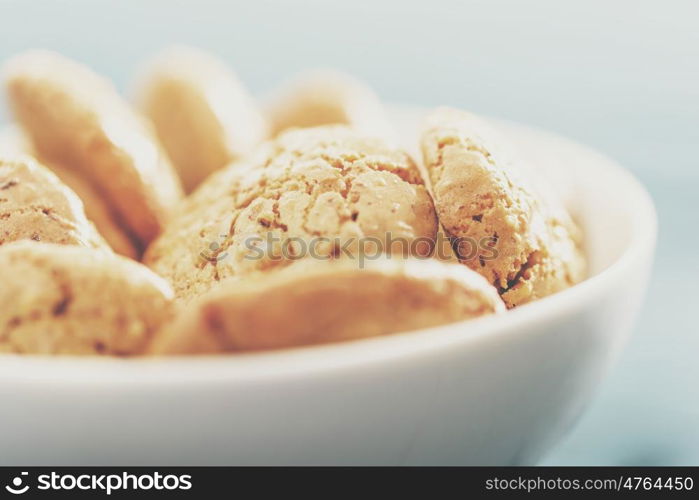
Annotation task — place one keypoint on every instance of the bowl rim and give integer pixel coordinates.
(363, 353)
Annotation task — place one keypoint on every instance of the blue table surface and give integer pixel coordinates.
(622, 77)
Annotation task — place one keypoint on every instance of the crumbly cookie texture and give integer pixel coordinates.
(14, 142)
(324, 97)
(76, 118)
(58, 299)
(36, 205)
(523, 243)
(320, 192)
(317, 302)
(202, 113)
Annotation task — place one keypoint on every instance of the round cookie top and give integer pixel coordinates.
(316, 302)
(36, 205)
(77, 119)
(316, 192)
(522, 241)
(58, 299)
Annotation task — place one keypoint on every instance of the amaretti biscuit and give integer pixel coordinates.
(14, 142)
(98, 211)
(317, 302)
(203, 115)
(524, 243)
(319, 192)
(76, 119)
(58, 299)
(324, 97)
(36, 205)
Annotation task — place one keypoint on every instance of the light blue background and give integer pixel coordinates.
(621, 76)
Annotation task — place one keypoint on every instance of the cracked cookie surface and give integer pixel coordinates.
(311, 302)
(36, 205)
(13, 143)
(321, 190)
(525, 244)
(58, 299)
(77, 119)
(204, 116)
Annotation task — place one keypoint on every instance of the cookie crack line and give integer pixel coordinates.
(304, 184)
(9, 184)
(63, 304)
(464, 165)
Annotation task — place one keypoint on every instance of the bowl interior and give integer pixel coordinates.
(615, 211)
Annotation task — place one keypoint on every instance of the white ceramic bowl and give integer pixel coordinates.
(498, 390)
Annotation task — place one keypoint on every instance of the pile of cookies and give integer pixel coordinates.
(198, 221)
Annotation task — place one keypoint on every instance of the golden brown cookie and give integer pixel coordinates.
(76, 119)
(36, 205)
(13, 141)
(523, 243)
(203, 114)
(321, 192)
(98, 211)
(325, 97)
(58, 299)
(312, 302)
